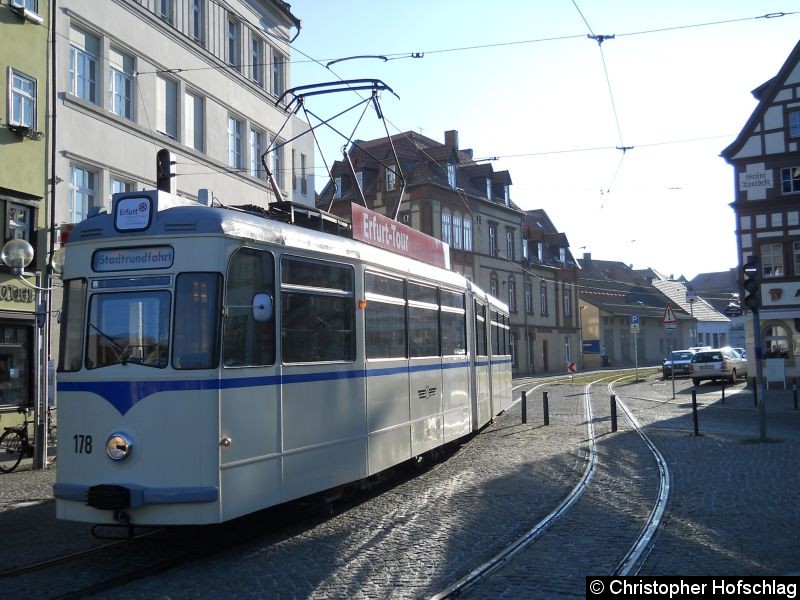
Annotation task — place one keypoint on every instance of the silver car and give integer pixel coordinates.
(719, 363)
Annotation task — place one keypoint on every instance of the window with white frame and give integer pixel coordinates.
(82, 191)
(446, 226)
(567, 350)
(276, 161)
(278, 72)
(796, 257)
(165, 10)
(507, 195)
(562, 255)
(22, 109)
(510, 245)
(121, 84)
(492, 240)
(118, 186)
(451, 175)
(512, 294)
(467, 234)
(790, 180)
(794, 123)
(529, 298)
(567, 301)
(540, 251)
(544, 310)
(493, 285)
(489, 188)
(390, 178)
(83, 53)
(235, 127)
(257, 60)
(772, 260)
(233, 49)
(256, 150)
(193, 121)
(457, 232)
(167, 107)
(524, 249)
(18, 218)
(197, 28)
(31, 5)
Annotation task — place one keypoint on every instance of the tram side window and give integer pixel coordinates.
(247, 342)
(423, 321)
(197, 300)
(385, 316)
(453, 318)
(480, 329)
(72, 323)
(496, 333)
(317, 311)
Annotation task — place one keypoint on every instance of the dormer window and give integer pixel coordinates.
(360, 180)
(451, 175)
(390, 179)
(489, 188)
(337, 183)
(507, 195)
(562, 255)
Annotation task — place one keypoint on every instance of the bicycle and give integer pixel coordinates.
(15, 443)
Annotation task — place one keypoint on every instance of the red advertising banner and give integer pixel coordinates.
(377, 230)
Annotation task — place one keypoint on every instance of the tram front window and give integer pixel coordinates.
(128, 327)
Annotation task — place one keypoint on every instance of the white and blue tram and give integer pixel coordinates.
(215, 362)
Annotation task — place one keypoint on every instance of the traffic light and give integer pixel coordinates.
(752, 286)
(165, 173)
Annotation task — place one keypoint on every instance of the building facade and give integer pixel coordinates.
(516, 256)
(23, 184)
(766, 161)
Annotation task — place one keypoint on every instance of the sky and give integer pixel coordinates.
(619, 142)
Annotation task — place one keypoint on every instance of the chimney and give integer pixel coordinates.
(587, 259)
(451, 139)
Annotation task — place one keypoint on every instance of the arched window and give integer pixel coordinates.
(445, 227)
(777, 342)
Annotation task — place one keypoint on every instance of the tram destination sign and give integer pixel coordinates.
(133, 259)
(381, 231)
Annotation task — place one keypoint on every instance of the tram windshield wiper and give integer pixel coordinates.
(119, 352)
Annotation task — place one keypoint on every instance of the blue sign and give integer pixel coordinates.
(634, 319)
(591, 346)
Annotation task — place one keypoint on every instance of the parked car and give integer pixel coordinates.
(742, 351)
(719, 363)
(678, 362)
(698, 348)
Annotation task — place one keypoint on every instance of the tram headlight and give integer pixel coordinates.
(119, 446)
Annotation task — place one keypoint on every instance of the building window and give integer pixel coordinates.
(233, 48)
(277, 161)
(165, 10)
(390, 179)
(121, 84)
(360, 180)
(507, 195)
(796, 254)
(543, 299)
(27, 4)
(512, 295)
(167, 107)
(451, 175)
(510, 245)
(278, 76)
(256, 149)
(235, 142)
(790, 180)
(794, 124)
(257, 61)
(529, 298)
(493, 285)
(193, 121)
(772, 260)
(457, 232)
(489, 188)
(22, 110)
(303, 180)
(446, 227)
(776, 219)
(540, 251)
(118, 186)
(492, 240)
(83, 52)
(745, 223)
(777, 342)
(567, 301)
(337, 183)
(467, 234)
(19, 222)
(524, 249)
(82, 193)
(197, 21)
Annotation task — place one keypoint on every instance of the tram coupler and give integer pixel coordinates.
(613, 401)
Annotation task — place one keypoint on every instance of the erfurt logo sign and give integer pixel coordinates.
(133, 213)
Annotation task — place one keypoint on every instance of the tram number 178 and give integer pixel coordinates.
(83, 444)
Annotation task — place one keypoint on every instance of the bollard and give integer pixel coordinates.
(694, 411)
(723, 391)
(613, 412)
(755, 392)
(546, 408)
(524, 402)
(794, 391)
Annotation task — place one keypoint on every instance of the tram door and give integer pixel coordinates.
(249, 398)
(482, 411)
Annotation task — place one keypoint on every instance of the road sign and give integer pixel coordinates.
(571, 367)
(634, 323)
(734, 310)
(668, 320)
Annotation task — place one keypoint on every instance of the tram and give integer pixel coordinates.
(218, 361)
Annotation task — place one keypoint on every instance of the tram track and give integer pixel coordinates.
(638, 550)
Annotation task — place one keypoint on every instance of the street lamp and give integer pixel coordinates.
(18, 254)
